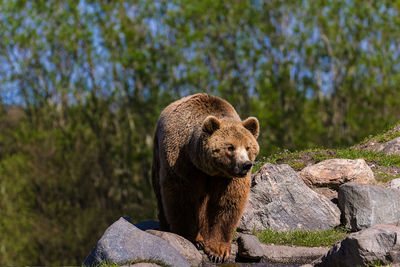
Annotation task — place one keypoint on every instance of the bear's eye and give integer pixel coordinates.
(231, 148)
(247, 148)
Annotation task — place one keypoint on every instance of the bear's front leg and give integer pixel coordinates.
(224, 210)
(217, 244)
(181, 202)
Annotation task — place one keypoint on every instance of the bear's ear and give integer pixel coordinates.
(251, 124)
(211, 124)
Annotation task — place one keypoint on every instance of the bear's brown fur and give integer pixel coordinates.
(203, 154)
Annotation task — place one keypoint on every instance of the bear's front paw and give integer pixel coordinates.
(217, 251)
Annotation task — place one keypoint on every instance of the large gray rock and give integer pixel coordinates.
(380, 243)
(182, 245)
(280, 200)
(365, 205)
(395, 183)
(122, 243)
(334, 172)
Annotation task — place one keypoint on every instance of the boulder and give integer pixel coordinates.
(391, 147)
(249, 248)
(122, 243)
(395, 183)
(379, 243)
(334, 172)
(280, 200)
(291, 254)
(182, 245)
(365, 205)
(331, 194)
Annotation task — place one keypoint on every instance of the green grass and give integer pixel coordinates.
(377, 264)
(311, 238)
(378, 157)
(384, 177)
(387, 137)
(297, 159)
(384, 136)
(316, 154)
(258, 163)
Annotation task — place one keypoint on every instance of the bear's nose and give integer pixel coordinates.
(247, 165)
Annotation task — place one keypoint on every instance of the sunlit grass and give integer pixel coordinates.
(384, 136)
(312, 238)
(296, 159)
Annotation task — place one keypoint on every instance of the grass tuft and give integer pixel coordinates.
(304, 238)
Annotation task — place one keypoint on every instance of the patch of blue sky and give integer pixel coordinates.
(10, 94)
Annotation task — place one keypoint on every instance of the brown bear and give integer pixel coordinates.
(202, 160)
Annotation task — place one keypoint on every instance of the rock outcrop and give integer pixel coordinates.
(280, 200)
(379, 243)
(182, 245)
(395, 183)
(364, 205)
(332, 173)
(250, 249)
(291, 254)
(391, 147)
(123, 243)
(387, 143)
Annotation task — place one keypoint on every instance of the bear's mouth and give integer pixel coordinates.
(233, 174)
(241, 170)
(241, 174)
(237, 171)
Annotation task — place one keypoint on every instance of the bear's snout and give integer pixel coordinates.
(247, 166)
(242, 169)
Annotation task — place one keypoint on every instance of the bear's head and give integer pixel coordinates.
(230, 145)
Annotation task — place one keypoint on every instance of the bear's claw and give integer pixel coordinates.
(199, 245)
(217, 251)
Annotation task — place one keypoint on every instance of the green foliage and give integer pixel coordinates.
(66, 185)
(312, 238)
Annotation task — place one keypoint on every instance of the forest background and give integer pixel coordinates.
(82, 84)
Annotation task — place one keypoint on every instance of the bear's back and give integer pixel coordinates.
(195, 108)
